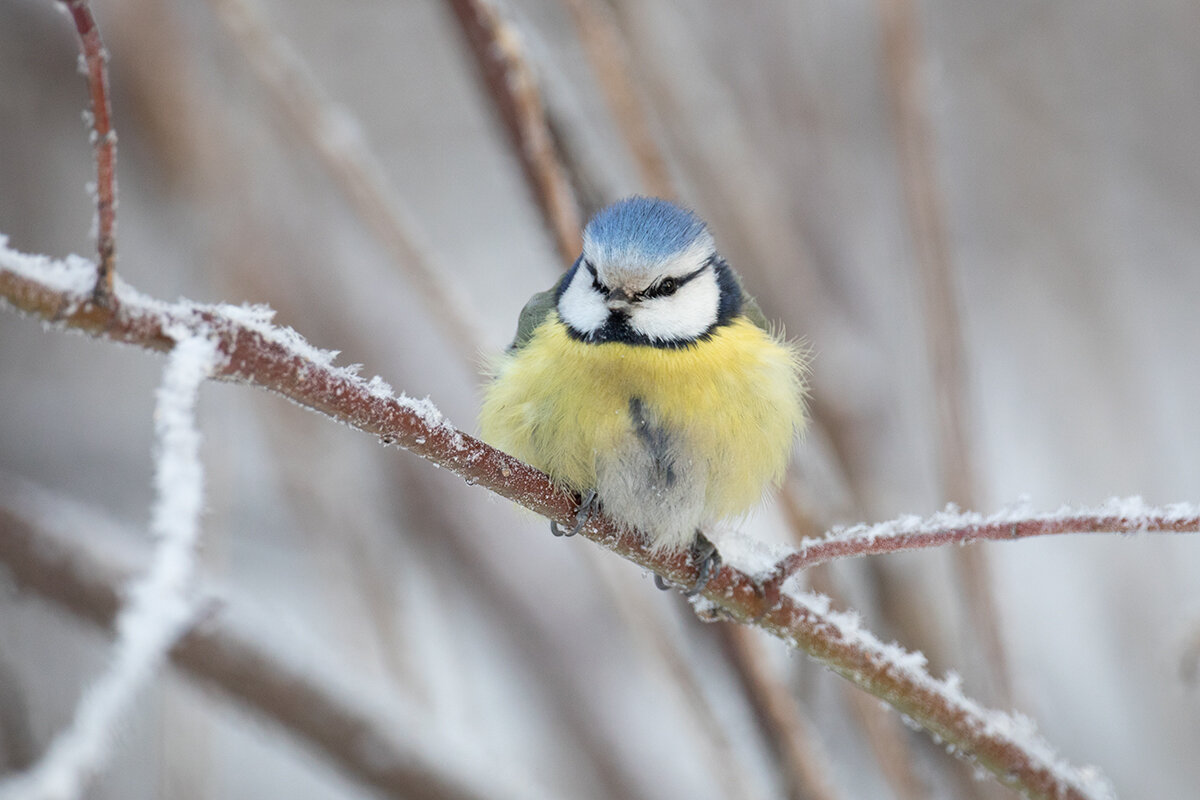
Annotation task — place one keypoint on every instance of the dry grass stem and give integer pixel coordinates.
(501, 58)
(334, 137)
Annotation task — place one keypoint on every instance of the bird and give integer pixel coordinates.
(647, 382)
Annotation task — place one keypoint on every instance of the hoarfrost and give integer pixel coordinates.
(73, 275)
(752, 556)
(159, 605)
(1133, 511)
(260, 319)
(378, 387)
(1014, 727)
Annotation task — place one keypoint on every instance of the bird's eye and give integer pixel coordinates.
(664, 288)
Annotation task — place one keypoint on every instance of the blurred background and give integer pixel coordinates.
(984, 219)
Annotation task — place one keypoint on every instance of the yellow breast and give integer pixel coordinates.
(735, 399)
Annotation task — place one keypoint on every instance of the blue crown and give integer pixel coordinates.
(651, 228)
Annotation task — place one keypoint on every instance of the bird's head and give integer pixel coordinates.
(649, 274)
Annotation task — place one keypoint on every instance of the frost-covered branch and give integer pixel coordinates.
(159, 606)
(51, 549)
(1125, 516)
(94, 63)
(500, 56)
(258, 353)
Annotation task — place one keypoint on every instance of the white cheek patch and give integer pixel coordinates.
(684, 315)
(581, 306)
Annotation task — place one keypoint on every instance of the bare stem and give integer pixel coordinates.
(804, 762)
(608, 55)
(886, 539)
(104, 140)
(500, 57)
(331, 134)
(903, 61)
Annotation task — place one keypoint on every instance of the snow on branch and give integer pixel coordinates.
(952, 526)
(255, 352)
(159, 607)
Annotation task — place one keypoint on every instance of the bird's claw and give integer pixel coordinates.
(706, 558)
(589, 505)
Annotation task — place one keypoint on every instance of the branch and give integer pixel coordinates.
(104, 140)
(159, 606)
(381, 748)
(260, 354)
(500, 56)
(951, 526)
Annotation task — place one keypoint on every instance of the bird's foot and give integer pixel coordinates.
(704, 555)
(588, 505)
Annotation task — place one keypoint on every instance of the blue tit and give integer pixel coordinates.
(647, 378)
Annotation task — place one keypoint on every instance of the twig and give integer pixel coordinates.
(500, 56)
(333, 135)
(803, 759)
(160, 607)
(943, 330)
(379, 749)
(609, 57)
(260, 354)
(892, 749)
(16, 735)
(954, 527)
(104, 140)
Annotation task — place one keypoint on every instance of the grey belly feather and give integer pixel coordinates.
(651, 481)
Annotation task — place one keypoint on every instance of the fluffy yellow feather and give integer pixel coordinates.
(729, 406)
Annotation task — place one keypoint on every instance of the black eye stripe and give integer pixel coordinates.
(596, 284)
(664, 287)
(670, 285)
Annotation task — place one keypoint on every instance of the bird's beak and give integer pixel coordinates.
(618, 300)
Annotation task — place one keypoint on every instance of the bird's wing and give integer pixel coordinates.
(750, 306)
(534, 314)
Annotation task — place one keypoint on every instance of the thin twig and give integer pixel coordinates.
(380, 751)
(500, 56)
(159, 607)
(952, 527)
(280, 361)
(104, 140)
(608, 55)
(803, 760)
(943, 329)
(333, 135)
